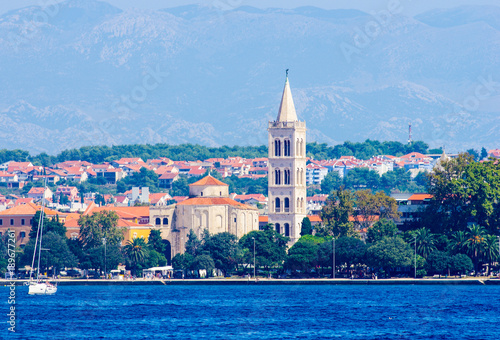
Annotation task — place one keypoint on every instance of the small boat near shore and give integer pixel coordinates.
(40, 286)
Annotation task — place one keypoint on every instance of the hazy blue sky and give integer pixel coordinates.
(410, 7)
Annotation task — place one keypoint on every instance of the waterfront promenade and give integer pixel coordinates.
(263, 281)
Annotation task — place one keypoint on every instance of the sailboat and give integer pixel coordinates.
(38, 286)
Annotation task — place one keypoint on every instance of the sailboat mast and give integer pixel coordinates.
(40, 219)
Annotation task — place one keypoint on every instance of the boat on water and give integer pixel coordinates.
(40, 286)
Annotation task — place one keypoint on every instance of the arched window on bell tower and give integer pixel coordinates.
(277, 148)
(277, 176)
(287, 176)
(287, 148)
(287, 204)
(278, 205)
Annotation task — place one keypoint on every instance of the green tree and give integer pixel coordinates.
(154, 259)
(55, 253)
(362, 178)
(99, 225)
(335, 214)
(193, 244)
(302, 256)
(99, 258)
(136, 252)
(306, 227)
(370, 207)
(350, 251)
(182, 261)
(381, 229)
(180, 187)
(491, 250)
(49, 224)
(476, 244)
(203, 262)
(270, 247)
(438, 262)
(331, 182)
(389, 253)
(155, 241)
(425, 242)
(461, 264)
(223, 249)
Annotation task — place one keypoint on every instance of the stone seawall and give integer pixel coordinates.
(222, 282)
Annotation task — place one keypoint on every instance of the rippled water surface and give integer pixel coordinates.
(257, 312)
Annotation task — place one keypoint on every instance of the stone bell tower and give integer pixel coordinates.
(287, 188)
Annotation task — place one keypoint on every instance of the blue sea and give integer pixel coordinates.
(257, 312)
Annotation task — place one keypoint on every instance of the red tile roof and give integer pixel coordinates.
(215, 201)
(208, 180)
(419, 197)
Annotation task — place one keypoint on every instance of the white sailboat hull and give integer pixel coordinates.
(41, 288)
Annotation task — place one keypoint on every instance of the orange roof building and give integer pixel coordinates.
(20, 218)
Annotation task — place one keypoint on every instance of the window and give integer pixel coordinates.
(31, 221)
(277, 148)
(287, 204)
(235, 220)
(1, 221)
(278, 204)
(134, 236)
(278, 228)
(277, 176)
(287, 229)
(287, 148)
(158, 221)
(287, 177)
(165, 221)
(11, 221)
(220, 193)
(22, 234)
(22, 221)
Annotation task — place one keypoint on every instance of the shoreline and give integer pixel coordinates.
(266, 282)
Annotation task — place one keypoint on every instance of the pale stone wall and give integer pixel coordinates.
(209, 191)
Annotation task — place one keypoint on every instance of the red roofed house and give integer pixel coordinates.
(37, 193)
(70, 192)
(19, 219)
(209, 207)
(167, 179)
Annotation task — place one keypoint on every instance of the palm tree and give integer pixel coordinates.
(425, 242)
(136, 252)
(476, 243)
(458, 244)
(491, 250)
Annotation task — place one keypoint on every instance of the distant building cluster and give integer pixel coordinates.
(209, 205)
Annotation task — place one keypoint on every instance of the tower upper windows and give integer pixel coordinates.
(277, 148)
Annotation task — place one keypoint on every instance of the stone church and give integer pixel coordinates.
(210, 207)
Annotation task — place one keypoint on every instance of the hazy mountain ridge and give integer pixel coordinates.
(216, 77)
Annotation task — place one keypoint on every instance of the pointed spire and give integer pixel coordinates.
(287, 108)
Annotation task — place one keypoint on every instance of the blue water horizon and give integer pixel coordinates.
(256, 312)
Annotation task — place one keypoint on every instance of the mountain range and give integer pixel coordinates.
(87, 73)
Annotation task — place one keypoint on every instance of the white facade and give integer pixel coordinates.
(287, 187)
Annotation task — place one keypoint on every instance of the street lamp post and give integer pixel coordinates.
(105, 257)
(333, 258)
(253, 238)
(415, 256)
